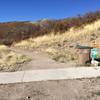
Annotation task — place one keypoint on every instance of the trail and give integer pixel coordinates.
(39, 60)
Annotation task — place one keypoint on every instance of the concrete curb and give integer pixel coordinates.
(49, 74)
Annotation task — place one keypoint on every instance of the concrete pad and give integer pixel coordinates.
(11, 77)
(49, 74)
(59, 74)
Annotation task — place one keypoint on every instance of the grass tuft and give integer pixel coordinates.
(9, 60)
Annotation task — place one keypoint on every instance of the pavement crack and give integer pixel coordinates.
(23, 77)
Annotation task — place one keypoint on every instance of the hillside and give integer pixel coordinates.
(52, 38)
(12, 32)
(55, 38)
(61, 47)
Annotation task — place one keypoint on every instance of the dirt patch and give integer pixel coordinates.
(82, 89)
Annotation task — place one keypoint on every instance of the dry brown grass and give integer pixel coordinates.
(9, 60)
(61, 55)
(73, 34)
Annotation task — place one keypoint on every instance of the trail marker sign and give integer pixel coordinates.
(94, 53)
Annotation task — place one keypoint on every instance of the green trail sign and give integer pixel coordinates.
(94, 53)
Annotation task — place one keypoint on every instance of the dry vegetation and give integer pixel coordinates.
(85, 33)
(9, 60)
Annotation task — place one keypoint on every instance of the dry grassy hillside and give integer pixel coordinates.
(60, 46)
(16, 31)
(57, 38)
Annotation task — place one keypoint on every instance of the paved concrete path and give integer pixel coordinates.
(49, 74)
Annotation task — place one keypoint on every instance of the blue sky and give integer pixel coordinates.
(32, 10)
